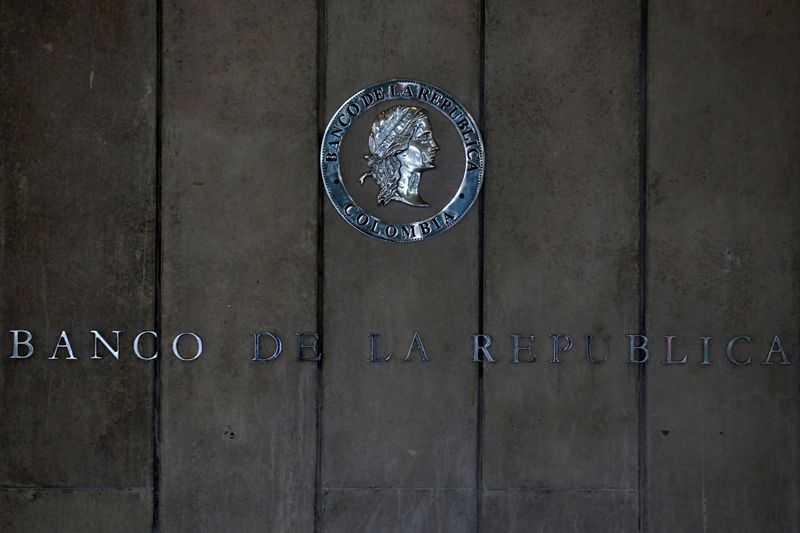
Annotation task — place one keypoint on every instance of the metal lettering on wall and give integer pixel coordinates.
(637, 350)
(402, 147)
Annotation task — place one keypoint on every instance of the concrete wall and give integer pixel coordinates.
(159, 172)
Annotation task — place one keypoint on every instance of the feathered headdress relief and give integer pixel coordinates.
(391, 132)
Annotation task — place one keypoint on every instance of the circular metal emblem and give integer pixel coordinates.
(399, 161)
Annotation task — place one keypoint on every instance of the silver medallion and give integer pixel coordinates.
(401, 147)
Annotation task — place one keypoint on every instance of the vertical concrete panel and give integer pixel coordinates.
(76, 239)
(399, 425)
(562, 200)
(398, 510)
(522, 511)
(78, 511)
(724, 261)
(239, 255)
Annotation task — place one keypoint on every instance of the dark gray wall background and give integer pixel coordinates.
(159, 171)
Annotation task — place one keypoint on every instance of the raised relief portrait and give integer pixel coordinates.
(401, 147)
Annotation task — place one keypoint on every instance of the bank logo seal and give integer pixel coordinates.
(402, 147)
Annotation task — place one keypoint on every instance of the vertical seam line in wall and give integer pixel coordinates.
(481, 270)
(641, 388)
(156, 407)
(320, 107)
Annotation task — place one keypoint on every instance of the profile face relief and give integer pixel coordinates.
(421, 150)
(401, 147)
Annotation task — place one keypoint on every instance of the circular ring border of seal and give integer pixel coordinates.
(387, 91)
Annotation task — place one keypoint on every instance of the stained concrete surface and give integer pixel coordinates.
(723, 241)
(239, 209)
(76, 251)
(561, 258)
(398, 510)
(71, 510)
(570, 510)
